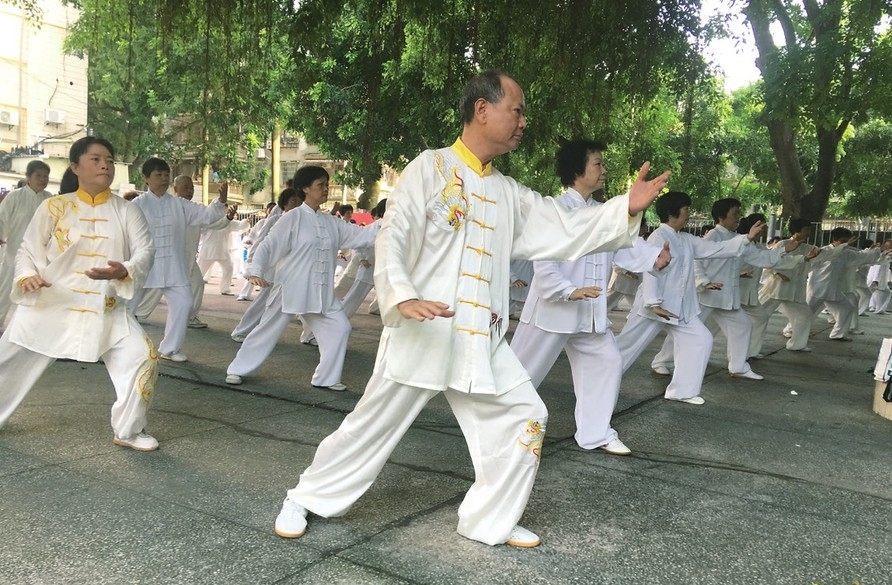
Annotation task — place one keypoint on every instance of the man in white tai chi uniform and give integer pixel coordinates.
(81, 256)
(442, 276)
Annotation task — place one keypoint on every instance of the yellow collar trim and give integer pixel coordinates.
(468, 157)
(97, 199)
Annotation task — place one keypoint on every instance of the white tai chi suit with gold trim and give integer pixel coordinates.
(303, 248)
(674, 288)
(451, 228)
(723, 306)
(77, 317)
(168, 216)
(551, 322)
(16, 211)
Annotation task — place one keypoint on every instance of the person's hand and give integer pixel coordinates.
(223, 194)
(757, 230)
(365, 263)
(643, 192)
(782, 277)
(519, 283)
(259, 281)
(746, 274)
(792, 245)
(33, 284)
(588, 292)
(662, 313)
(713, 286)
(424, 310)
(812, 253)
(115, 271)
(231, 211)
(853, 240)
(664, 258)
(874, 285)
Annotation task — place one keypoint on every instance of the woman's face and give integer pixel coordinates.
(316, 193)
(95, 169)
(38, 180)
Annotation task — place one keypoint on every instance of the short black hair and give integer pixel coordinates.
(840, 233)
(670, 204)
(154, 164)
(81, 145)
(571, 158)
(722, 207)
(286, 195)
(305, 176)
(797, 224)
(486, 85)
(36, 165)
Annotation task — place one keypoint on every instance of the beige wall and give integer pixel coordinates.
(44, 92)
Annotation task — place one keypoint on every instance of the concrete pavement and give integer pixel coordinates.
(759, 485)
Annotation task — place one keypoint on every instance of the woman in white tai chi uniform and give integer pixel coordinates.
(442, 276)
(81, 256)
(302, 247)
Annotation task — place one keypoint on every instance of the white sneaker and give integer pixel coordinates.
(292, 520)
(311, 341)
(233, 379)
(750, 375)
(174, 356)
(616, 447)
(692, 400)
(196, 323)
(523, 538)
(662, 371)
(141, 441)
(239, 338)
(336, 387)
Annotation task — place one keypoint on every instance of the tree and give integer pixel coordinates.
(863, 171)
(830, 69)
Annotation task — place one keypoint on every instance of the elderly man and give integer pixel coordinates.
(442, 274)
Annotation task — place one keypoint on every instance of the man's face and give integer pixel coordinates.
(346, 216)
(158, 182)
(731, 220)
(184, 188)
(595, 174)
(95, 169)
(38, 180)
(505, 120)
(681, 220)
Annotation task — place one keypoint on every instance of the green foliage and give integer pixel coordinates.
(863, 171)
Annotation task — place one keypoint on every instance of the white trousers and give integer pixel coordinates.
(332, 331)
(354, 297)
(864, 295)
(613, 299)
(152, 296)
(131, 364)
(759, 318)
(692, 344)
(879, 300)
(854, 301)
(252, 315)
(247, 289)
(179, 307)
(841, 311)
(504, 435)
(226, 269)
(7, 268)
(596, 367)
(734, 324)
(800, 317)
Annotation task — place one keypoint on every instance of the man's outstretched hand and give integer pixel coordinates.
(424, 310)
(643, 192)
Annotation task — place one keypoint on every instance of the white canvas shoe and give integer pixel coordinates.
(616, 447)
(692, 400)
(233, 379)
(141, 441)
(662, 371)
(523, 538)
(750, 375)
(174, 356)
(292, 520)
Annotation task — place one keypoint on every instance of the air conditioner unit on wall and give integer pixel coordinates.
(55, 116)
(9, 117)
